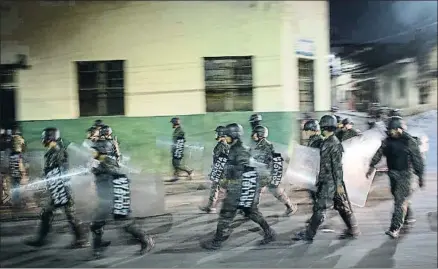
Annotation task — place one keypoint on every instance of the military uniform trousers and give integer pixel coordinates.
(178, 166)
(47, 215)
(229, 210)
(103, 211)
(278, 192)
(401, 190)
(326, 198)
(217, 194)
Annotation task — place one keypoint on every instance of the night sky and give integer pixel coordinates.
(393, 29)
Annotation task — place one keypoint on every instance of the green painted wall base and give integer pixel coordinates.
(138, 135)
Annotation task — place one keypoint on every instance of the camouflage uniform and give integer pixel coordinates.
(4, 167)
(349, 133)
(55, 162)
(263, 153)
(105, 172)
(178, 133)
(17, 170)
(217, 188)
(237, 159)
(401, 154)
(331, 191)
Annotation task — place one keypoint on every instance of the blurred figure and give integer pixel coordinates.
(402, 153)
(218, 189)
(178, 139)
(235, 168)
(263, 153)
(4, 165)
(330, 186)
(60, 193)
(17, 171)
(347, 129)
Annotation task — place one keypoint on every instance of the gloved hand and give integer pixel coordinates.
(340, 190)
(370, 171)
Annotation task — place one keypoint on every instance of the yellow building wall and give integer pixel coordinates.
(163, 44)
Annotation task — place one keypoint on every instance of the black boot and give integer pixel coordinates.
(352, 231)
(146, 241)
(81, 236)
(43, 231)
(213, 244)
(99, 246)
(269, 236)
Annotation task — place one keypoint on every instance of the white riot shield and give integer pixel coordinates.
(358, 152)
(146, 191)
(303, 167)
(191, 153)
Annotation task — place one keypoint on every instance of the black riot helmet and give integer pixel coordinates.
(105, 131)
(221, 131)
(394, 113)
(175, 121)
(260, 131)
(395, 122)
(50, 134)
(328, 123)
(255, 120)
(234, 130)
(347, 121)
(311, 125)
(98, 123)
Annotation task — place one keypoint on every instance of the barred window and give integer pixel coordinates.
(101, 88)
(306, 85)
(228, 83)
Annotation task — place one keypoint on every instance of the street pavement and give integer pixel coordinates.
(179, 233)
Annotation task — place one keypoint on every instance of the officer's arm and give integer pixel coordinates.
(116, 148)
(336, 164)
(378, 155)
(416, 158)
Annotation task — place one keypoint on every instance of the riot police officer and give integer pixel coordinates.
(217, 188)
(347, 130)
(238, 160)
(330, 187)
(401, 152)
(60, 193)
(178, 139)
(107, 174)
(263, 152)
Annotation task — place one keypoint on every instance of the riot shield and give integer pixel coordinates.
(303, 167)
(192, 154)
(358, 152)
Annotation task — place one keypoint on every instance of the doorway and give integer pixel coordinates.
(7, 97)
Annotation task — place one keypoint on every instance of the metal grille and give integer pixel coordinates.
(101, 88)
(228, 83)
(306, 85)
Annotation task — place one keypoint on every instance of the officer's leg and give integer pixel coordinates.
(409, 218)
(221, 192)
(102, 211)
(78, 228)
(212, 198)
(44, 229)
(281, 196)
(15, 195)
(226, 216)
(401, 190)
(343, 206)
(256, 216)
(146, 241)
(181, 167)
